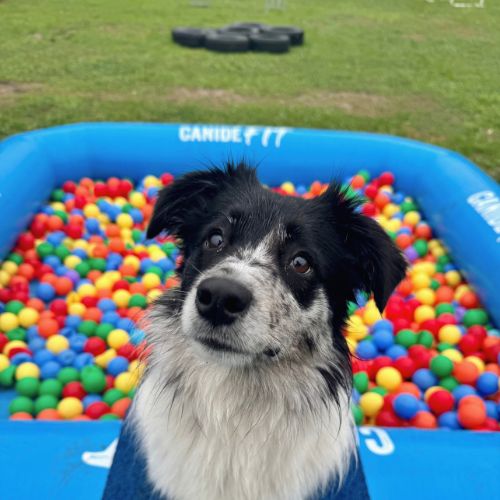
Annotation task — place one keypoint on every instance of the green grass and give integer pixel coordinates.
(406, 67)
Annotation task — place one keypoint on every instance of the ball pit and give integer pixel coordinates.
(77, 282)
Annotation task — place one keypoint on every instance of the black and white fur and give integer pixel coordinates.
(256, 408)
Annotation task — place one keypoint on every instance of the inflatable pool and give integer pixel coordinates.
(461, 203)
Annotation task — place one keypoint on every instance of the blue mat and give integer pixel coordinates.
(70, 461)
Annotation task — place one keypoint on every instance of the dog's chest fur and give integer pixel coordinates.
(214, 433)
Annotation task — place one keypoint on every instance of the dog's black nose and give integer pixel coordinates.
(221, 301)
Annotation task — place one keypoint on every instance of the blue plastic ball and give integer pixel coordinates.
(45, 292)
(83, 359)
(36, 344)
(89, 399)
(383, 339)
(77, 342)
(20, 357)
(383, 324)
(492, 410)
(487, 384)
(396, 351)
(72, 321)
(366, 349)
(50, 369)
(106, 305)
(463, 390)
(406, 405)
(449, 420)
(66, 357)
(117, 365)
(424, 379)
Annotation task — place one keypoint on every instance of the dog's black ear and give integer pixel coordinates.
(375, 264)
(184, 202)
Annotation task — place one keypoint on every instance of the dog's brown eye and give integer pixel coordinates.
(215, 240)
(300, 264)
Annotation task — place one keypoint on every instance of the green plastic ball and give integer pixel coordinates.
(442, 346)
(103, 330)
(62, 215)
(28, 387)
(360, 380)
(7, 376)
(406, 338)
(449, 383)
(14, 306)
(68, 374)
(93, 379)
(44, 402)
(82, 269)
(44, 250)
(441, 366)
(87, 327)
(475, 317)
(57, 195)
(138, 300)
(421, 247)
(408, 206)
(426, 338)
(379, 390)
(51, 387)
(21, 403)
(358, 414)
(16, 258)
(444, 307)
(97, 264)
(62, 252)
(109, 416)
(17, 334)
(111, 396)
(168, 248)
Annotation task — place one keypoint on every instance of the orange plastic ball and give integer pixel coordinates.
(472, 415)
(121, 406)
(469, 300)
(21, 415)
(424, 420)
(63, 285)
(49, 414)
(444, 294)
(409, 388)
(48, 327)
(466, 372)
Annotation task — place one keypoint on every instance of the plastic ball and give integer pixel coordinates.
(487, 384)
(441, 366)
(371, 403)
(28, 317)
(449, 334)
(389, 378)
(441, 401)
(406, 405)
(117, 338)
(70, 407)
(57, 344)
(28, 369)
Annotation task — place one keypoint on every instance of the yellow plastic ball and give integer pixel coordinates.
(151, 280)
(371, 403)
(355, 329)
(91, 211)
(117, 338)
(76, 309)
(125, 221)
(452, 278)
(4, 278)
(412, 218)
(151, 181)
(8, 321)
(83, 244)
(426, 296)
(103, 283)
(70, 408)
(4, 362)
(27, 369)
(28, 317)
(453, 354)
(449, 334)
(125, 381)
(153, 294)
(371, 315)
(389, 378)
(438, 252)
(390, 209)
(87, 290)
(72, 261)
(423, 313)
(57, 344)
(394, 225)
(121, 298)
(420, 280)
(132, 261)
(460, 290)
(288, 187)
(137, 199)
(477, 361)
(10, 267)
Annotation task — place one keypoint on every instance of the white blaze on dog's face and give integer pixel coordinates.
(267, 278)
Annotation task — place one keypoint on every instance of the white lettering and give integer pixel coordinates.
(382, 445)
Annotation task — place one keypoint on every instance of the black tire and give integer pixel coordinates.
(296, 34)
(257, 26)
(189, 37)
(239, 30)
(227, 42)
(270, 42)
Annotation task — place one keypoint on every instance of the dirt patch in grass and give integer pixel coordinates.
(213, 97)
(8, 89)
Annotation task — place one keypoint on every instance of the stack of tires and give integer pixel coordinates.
(241, 37)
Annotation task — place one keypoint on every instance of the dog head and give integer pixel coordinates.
(268, 278)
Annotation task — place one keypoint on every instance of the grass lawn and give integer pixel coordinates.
(423, 70)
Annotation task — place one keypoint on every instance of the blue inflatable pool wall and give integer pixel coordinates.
(460, 201)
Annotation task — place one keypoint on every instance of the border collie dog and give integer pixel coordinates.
(246, 394)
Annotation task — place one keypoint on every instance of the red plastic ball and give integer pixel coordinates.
(441, 401)
(97, 410)
(74, 389)
(95, 346)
